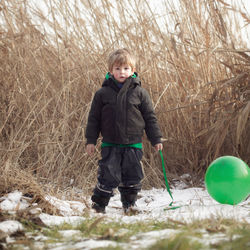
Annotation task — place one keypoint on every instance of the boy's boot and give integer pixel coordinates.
(100, 201)
(98, 208)
(129, 197)
(128, 203)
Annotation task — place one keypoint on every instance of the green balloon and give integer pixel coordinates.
(227, 180)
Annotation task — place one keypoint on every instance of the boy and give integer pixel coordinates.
(121, 110)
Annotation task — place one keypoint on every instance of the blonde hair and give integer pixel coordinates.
(120, 57)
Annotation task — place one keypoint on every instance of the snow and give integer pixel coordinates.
(66, 208)
(195, 204)
(13, 201)
(149, 238)
(10, 226)
(95, 244)
(69, 233)
(53, 220)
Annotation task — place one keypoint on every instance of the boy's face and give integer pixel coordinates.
(122, 72)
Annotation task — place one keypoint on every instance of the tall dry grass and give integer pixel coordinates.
(195, 66)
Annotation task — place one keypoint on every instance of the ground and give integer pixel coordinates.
(194, 214)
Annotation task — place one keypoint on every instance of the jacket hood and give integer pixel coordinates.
(110, 80)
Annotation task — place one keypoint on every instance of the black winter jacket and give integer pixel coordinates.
(122, 114)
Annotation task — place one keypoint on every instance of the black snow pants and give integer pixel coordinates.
(119, 167)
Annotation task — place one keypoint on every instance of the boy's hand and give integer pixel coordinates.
(90, 149)
(158, 146)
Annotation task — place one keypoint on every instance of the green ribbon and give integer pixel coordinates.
(133, 145)
(166, 182)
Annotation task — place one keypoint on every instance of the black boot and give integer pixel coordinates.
(129, 194)
(128, 202)
(100, 200)
(98, 208)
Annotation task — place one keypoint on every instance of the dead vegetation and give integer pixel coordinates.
(193, 61)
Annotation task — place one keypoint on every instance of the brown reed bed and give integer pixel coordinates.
(195, 66)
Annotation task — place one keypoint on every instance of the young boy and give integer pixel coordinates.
(121, 110)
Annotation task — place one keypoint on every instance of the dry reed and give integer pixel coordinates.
(194, 65)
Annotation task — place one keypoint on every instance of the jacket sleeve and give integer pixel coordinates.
(94, 120)
(152, 128)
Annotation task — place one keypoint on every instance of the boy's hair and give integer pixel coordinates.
(120, 57)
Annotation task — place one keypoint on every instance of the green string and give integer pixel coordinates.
(166, 182)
